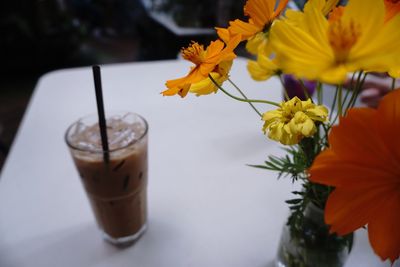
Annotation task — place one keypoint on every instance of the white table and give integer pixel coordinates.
(206, 207)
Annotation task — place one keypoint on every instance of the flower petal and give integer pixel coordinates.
(356, 136)
(384, 230)
(245, 29)
(362, 164)
(262, 69)
(348, 210)
(388, 123)
(260, 11)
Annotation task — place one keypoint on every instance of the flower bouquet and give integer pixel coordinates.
(347, 159)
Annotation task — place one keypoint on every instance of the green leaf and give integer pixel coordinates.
(294, 201)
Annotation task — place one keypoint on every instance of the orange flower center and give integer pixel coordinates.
(336, 14)
(194, 53)
(342, 38)
(392, 9)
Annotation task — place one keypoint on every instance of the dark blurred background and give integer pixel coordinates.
(38, 36)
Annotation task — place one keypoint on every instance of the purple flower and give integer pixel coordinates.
(294, 87)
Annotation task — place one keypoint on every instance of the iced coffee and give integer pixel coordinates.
(115, 184)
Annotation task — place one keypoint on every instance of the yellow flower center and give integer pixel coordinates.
(194, 53)
(288, 115)
(342, 38)
(266, 28)
(290, 108)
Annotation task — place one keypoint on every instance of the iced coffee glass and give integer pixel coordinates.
(116, 184)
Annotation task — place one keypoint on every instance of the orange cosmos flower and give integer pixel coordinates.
(363, 164)
(392, 8)
(205, 62)
(206, 86)
(261, 14)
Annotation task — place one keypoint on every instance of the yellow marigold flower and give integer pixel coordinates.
(357, 39)
(261, 14)
(205, 60)
(206, 86)
(262, 69)
(294, 120)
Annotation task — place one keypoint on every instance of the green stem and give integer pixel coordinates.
(348, 91)
(245, 97)
(317, 196)
(351, 104)
(242, 99)
(319, 93)
(326, 132)
(284, 87)
(340, 102)
(304, 89)
(333, 103)
(354, 90)
(393, 83)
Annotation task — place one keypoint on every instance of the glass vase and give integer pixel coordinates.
(309, 243)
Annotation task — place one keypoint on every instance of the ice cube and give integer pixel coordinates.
(121, 136)
(120, 133)
(79, 128)
(87, 146)
(129, 118)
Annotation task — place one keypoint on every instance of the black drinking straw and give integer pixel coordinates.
(100, 111)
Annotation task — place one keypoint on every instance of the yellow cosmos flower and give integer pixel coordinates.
(259, 43)
(205, 60)
(357, 39)
(207, 86)
(297, 18)
(395, 73)
(328, 6)
(336, 14)
(392, 10)
(261, 14)
(294, 120)
(262, 69)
